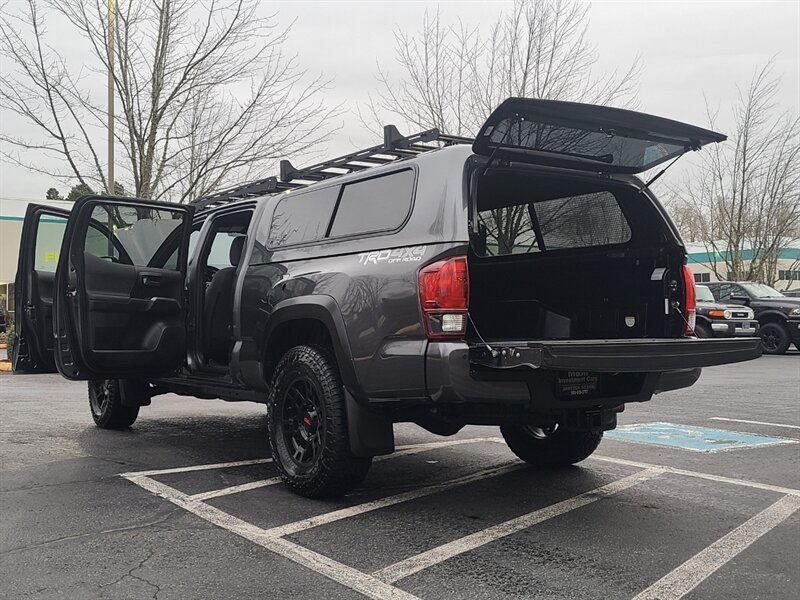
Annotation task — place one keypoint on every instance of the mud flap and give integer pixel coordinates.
(134, 392)
(371, 433)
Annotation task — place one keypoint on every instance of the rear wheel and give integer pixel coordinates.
(774, 338)
(550, 447)
(105, 402)
(307, 424)
(702, 330)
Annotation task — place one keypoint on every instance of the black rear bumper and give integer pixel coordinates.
(629, 356)
(526, 372)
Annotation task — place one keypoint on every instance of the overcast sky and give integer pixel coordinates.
(688, 50)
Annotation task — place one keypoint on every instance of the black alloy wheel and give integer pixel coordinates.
(307, 421)
(105, 403)
(774, 338)
(302, 421)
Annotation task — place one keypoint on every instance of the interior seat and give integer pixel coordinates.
(217, 325)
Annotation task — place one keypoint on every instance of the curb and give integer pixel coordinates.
(5, 366)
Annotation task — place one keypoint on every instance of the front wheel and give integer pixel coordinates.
(774, 338)
(307, 425)
(550, 447)
(105, 402)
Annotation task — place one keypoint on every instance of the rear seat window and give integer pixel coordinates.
(579, 221)
(377, 204)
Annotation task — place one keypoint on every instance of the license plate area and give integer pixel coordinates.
(577, 384)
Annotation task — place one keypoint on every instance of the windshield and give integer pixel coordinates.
(759, 290)
(704, 294)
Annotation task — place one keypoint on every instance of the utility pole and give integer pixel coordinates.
(112, 13)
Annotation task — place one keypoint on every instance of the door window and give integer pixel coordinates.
(49, 233)
(132, 235)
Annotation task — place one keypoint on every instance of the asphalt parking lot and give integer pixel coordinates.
(185, 504)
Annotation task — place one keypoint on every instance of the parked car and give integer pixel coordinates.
(791, 293)
(778, 315)
(525, 279)
(722, 320)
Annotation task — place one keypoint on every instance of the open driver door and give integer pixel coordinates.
(42, 235)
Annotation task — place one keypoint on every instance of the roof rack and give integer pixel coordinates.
(395, 147)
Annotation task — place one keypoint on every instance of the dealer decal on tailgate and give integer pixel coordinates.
(576, 384)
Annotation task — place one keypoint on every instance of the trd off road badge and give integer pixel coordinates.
(410, 254)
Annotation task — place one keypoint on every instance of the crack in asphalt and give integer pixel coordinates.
(137, 577)
(67, 538)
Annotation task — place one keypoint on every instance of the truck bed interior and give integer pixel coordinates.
(570, 257)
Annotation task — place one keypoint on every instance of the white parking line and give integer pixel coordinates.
(754, 422)
(235, 489)
(444, 552)
(379, 586)
(238, 463)
(699, 475)
(359, 509)
(254, 485)
(352, 578)
(679, 582)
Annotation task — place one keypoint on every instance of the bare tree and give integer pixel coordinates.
(206, 94)
(744, 199)
(453, 76)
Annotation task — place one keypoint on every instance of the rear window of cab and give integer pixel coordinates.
(363, 207)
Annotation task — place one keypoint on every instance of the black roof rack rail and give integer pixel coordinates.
(395, 147)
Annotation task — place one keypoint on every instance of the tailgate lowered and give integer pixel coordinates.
(611, 356)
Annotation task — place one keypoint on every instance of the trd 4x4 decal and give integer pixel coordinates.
(410, 254)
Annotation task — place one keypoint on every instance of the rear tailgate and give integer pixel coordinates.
(614, 356)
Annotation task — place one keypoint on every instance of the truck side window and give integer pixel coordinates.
(302, 217)
(376, 204)
(724, 291)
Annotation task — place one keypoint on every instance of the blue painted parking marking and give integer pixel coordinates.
(688, 437)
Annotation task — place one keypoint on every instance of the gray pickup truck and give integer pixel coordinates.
(526, 279)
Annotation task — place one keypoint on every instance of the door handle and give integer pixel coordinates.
(151, 280)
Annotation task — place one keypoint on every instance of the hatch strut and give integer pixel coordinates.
(662, 171)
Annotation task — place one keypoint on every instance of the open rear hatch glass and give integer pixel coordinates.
(586, 136)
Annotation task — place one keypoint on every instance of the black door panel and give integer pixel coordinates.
(42, 233)
(121, 313)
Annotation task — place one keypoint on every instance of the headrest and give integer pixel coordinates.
(237, 245)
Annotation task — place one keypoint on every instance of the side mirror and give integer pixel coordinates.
(740, 299)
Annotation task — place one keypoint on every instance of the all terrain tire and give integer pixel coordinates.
(774, 338)
(105, 403)
(550, 448)
(307, 424)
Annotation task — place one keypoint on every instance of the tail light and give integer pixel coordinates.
(690, 301)
(444, 297)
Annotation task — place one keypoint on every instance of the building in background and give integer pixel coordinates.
(702, 261)
(12, 214)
